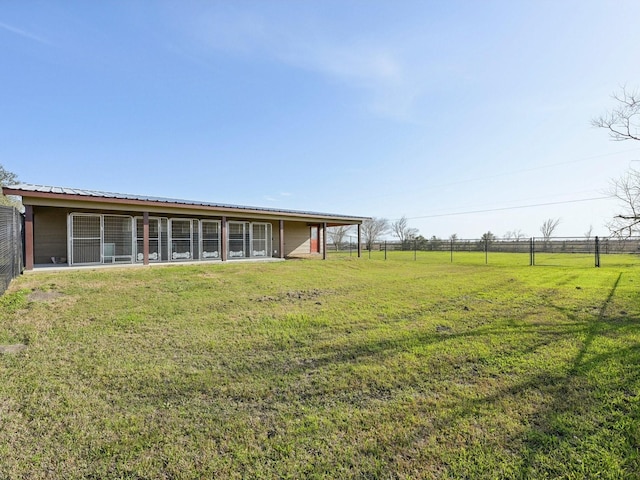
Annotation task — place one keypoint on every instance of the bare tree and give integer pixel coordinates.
(337, 234)
(402, 230)
(623, 121)
(373, 229)
(627, 190)
(588, 233)
(548, 227)
(516, 235)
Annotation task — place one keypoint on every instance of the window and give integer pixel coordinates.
(181, 231)
(236, 239)
(100, 239)
(117, 239)
(210, 238)
(85, 238)
(260, 239)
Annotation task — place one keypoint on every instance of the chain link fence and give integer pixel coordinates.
(11, 246)
(558, 251)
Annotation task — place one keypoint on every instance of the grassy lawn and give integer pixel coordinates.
(338, 369)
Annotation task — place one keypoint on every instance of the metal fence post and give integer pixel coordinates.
(16, 245)
(486, 251)
(385, 249)
(532, 252)
(597, 249)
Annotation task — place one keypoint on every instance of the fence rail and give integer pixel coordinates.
(533, 251)
(11, 246)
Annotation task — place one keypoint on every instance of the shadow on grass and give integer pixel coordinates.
(552, 437)
(576, 430)
(579, 427)
(577, 394)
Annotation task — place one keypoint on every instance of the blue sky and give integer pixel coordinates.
(426, 109)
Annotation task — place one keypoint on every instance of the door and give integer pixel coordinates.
(315, 247)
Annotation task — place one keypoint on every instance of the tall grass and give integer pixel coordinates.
(308, 369)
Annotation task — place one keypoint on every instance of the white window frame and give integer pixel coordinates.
(217, 255)
(180, 256)
(234, 254)
(101, 216)
(267, 239)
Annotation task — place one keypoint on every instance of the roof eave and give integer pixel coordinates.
(177, 204)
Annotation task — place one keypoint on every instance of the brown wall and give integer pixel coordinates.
(275, 239)
(297, 239)
(50, 234)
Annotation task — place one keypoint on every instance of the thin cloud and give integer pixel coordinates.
(382, 70)
(277, 197)
(24, 34)
(376, 69)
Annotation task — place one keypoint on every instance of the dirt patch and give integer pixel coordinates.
(40, 296)
(293, 296)
(304, 295)
(12, 349)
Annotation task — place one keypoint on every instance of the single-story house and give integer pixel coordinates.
(86, 227)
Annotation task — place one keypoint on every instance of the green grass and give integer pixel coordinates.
(308, 369)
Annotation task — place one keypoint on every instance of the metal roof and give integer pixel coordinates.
(26, 188)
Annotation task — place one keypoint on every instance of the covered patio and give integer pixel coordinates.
(65, 226)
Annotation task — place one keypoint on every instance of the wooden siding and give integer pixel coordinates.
(50, 234)
(297, 239)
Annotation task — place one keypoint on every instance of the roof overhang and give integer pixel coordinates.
(36, 195)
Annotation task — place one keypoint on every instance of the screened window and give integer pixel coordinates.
(181, 233)
(210, 238)
(100, 239)
(260, 239)
(236, 239)
(85, 239)
(117, 239)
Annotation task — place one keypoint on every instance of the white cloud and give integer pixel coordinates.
(279, 197)
(24, 33)
(378, 70)
(382, 70)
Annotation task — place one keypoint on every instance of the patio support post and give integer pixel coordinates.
(28, 237)
(223, 225)
(145, 238)
(359, 240)
(324, 241)
(281, 237)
